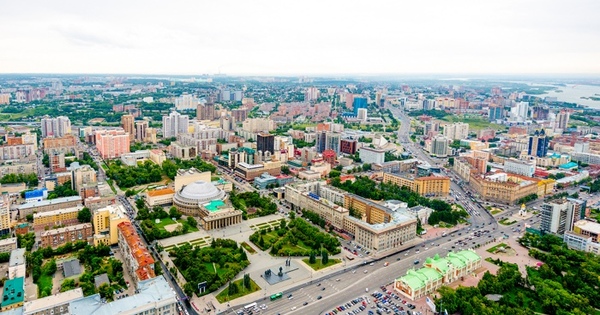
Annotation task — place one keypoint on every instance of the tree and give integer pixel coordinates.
(324, 258)
(106, 291)
(192, 222)
(157, 268)
(282, 224)
(29, 218)
(312, 258)
(366, 167)
(233, 289)
(129, 193)
(84, 215)
(286, 170)
(451, 161)
(174, 213)
(247, 283)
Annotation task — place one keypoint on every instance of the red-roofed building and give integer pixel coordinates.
(344, 178)
(137, 257)
(329, 156)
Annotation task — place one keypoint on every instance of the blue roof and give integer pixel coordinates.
(35, 193)
(568, 165)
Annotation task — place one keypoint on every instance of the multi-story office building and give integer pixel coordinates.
(112, 144)
(265, 142)
(175, 124)
(538, 144)
(456, 131)
(128, 124)
(105, 221)
(348, 146)
(425, 186)
(371, 156)
(70, 234)
(55, 127)
(515, 166)
(136, 256)
(333, 141)
(359, 102)
(81, 176)
(320, 141)
(557, 218)
(440, 146)
(141, 130)
(521, 111)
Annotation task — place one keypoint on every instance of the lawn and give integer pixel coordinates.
(248, 248)
(211, 268)
(44, 286)
(506, 222)
(494, 249)
(319, 265)
(495, 211)
(167, 221)
(224, 295)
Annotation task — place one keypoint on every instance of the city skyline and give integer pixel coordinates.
(274, 38)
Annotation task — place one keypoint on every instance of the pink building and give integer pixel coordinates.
(112, 143)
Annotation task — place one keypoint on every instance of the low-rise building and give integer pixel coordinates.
(70, 234)
(16, 263)
(13, 294)
(250, 171)
(8, 244)
(437, 272)
(57, 304)
(48, 205)
(137, 257)
(160, 197)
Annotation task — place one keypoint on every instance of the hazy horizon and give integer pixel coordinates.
(308, 38)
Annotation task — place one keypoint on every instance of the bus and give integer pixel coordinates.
(250, 306)
(276, 296)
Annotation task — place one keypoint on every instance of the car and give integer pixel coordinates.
(323, 289)
(305, 303)
(371, 264)
(319, 297)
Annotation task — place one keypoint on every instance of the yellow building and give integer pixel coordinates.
(105, 221)
(504, 188)
(56, 217)
(425, 186)
(159, 197)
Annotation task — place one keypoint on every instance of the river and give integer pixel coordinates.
(573, 93)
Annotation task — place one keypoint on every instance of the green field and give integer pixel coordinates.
(475, 123)
(225, 297)
(494, 249)
(507, 222)
(44, 286)
(248, 248)
(168, 221)
(318, 265)
(495, 211)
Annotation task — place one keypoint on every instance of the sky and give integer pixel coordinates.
(263, 37)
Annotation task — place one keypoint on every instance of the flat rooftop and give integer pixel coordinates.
(31, 307)
(49, 202)
(56, 212)
(13, 292)
(589, 226)
(17, 257)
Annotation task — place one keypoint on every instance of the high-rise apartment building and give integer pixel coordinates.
(521, 111)
(562, 119)
(128, 124)
(112, 143)
(556, 216)
(311, 94)
(206, 111)
(321, 141)
(265, 142)
(55, 127)
(4, 98)
(456, 131)
(332, 141)
(538, 144)
(348, 146)
(239, 114)
(495, 112)
(186, 102)
(141, 128)
(175, 124)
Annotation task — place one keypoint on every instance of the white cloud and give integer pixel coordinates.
(281, 37)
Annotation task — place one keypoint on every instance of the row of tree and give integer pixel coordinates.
(31, 180)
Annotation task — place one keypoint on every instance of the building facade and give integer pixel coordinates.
(70, 234)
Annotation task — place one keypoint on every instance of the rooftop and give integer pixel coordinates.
(34, 306)
(154, 292)
(161, 192)
(56, 212)
(13, 292)
(8, 241)
(589, 226)
(17, 257)
(139, 252)
(214, 205)
(49, 202)
(67, 229)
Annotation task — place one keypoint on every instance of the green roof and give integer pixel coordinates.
(13, 292)
(214, 205)
(430, 273)
(456, 262)
(468, 255)
(440, 264)
(412, 280)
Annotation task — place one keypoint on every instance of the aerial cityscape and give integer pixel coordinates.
(332, 158)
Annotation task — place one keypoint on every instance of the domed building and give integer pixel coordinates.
(204, 200)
